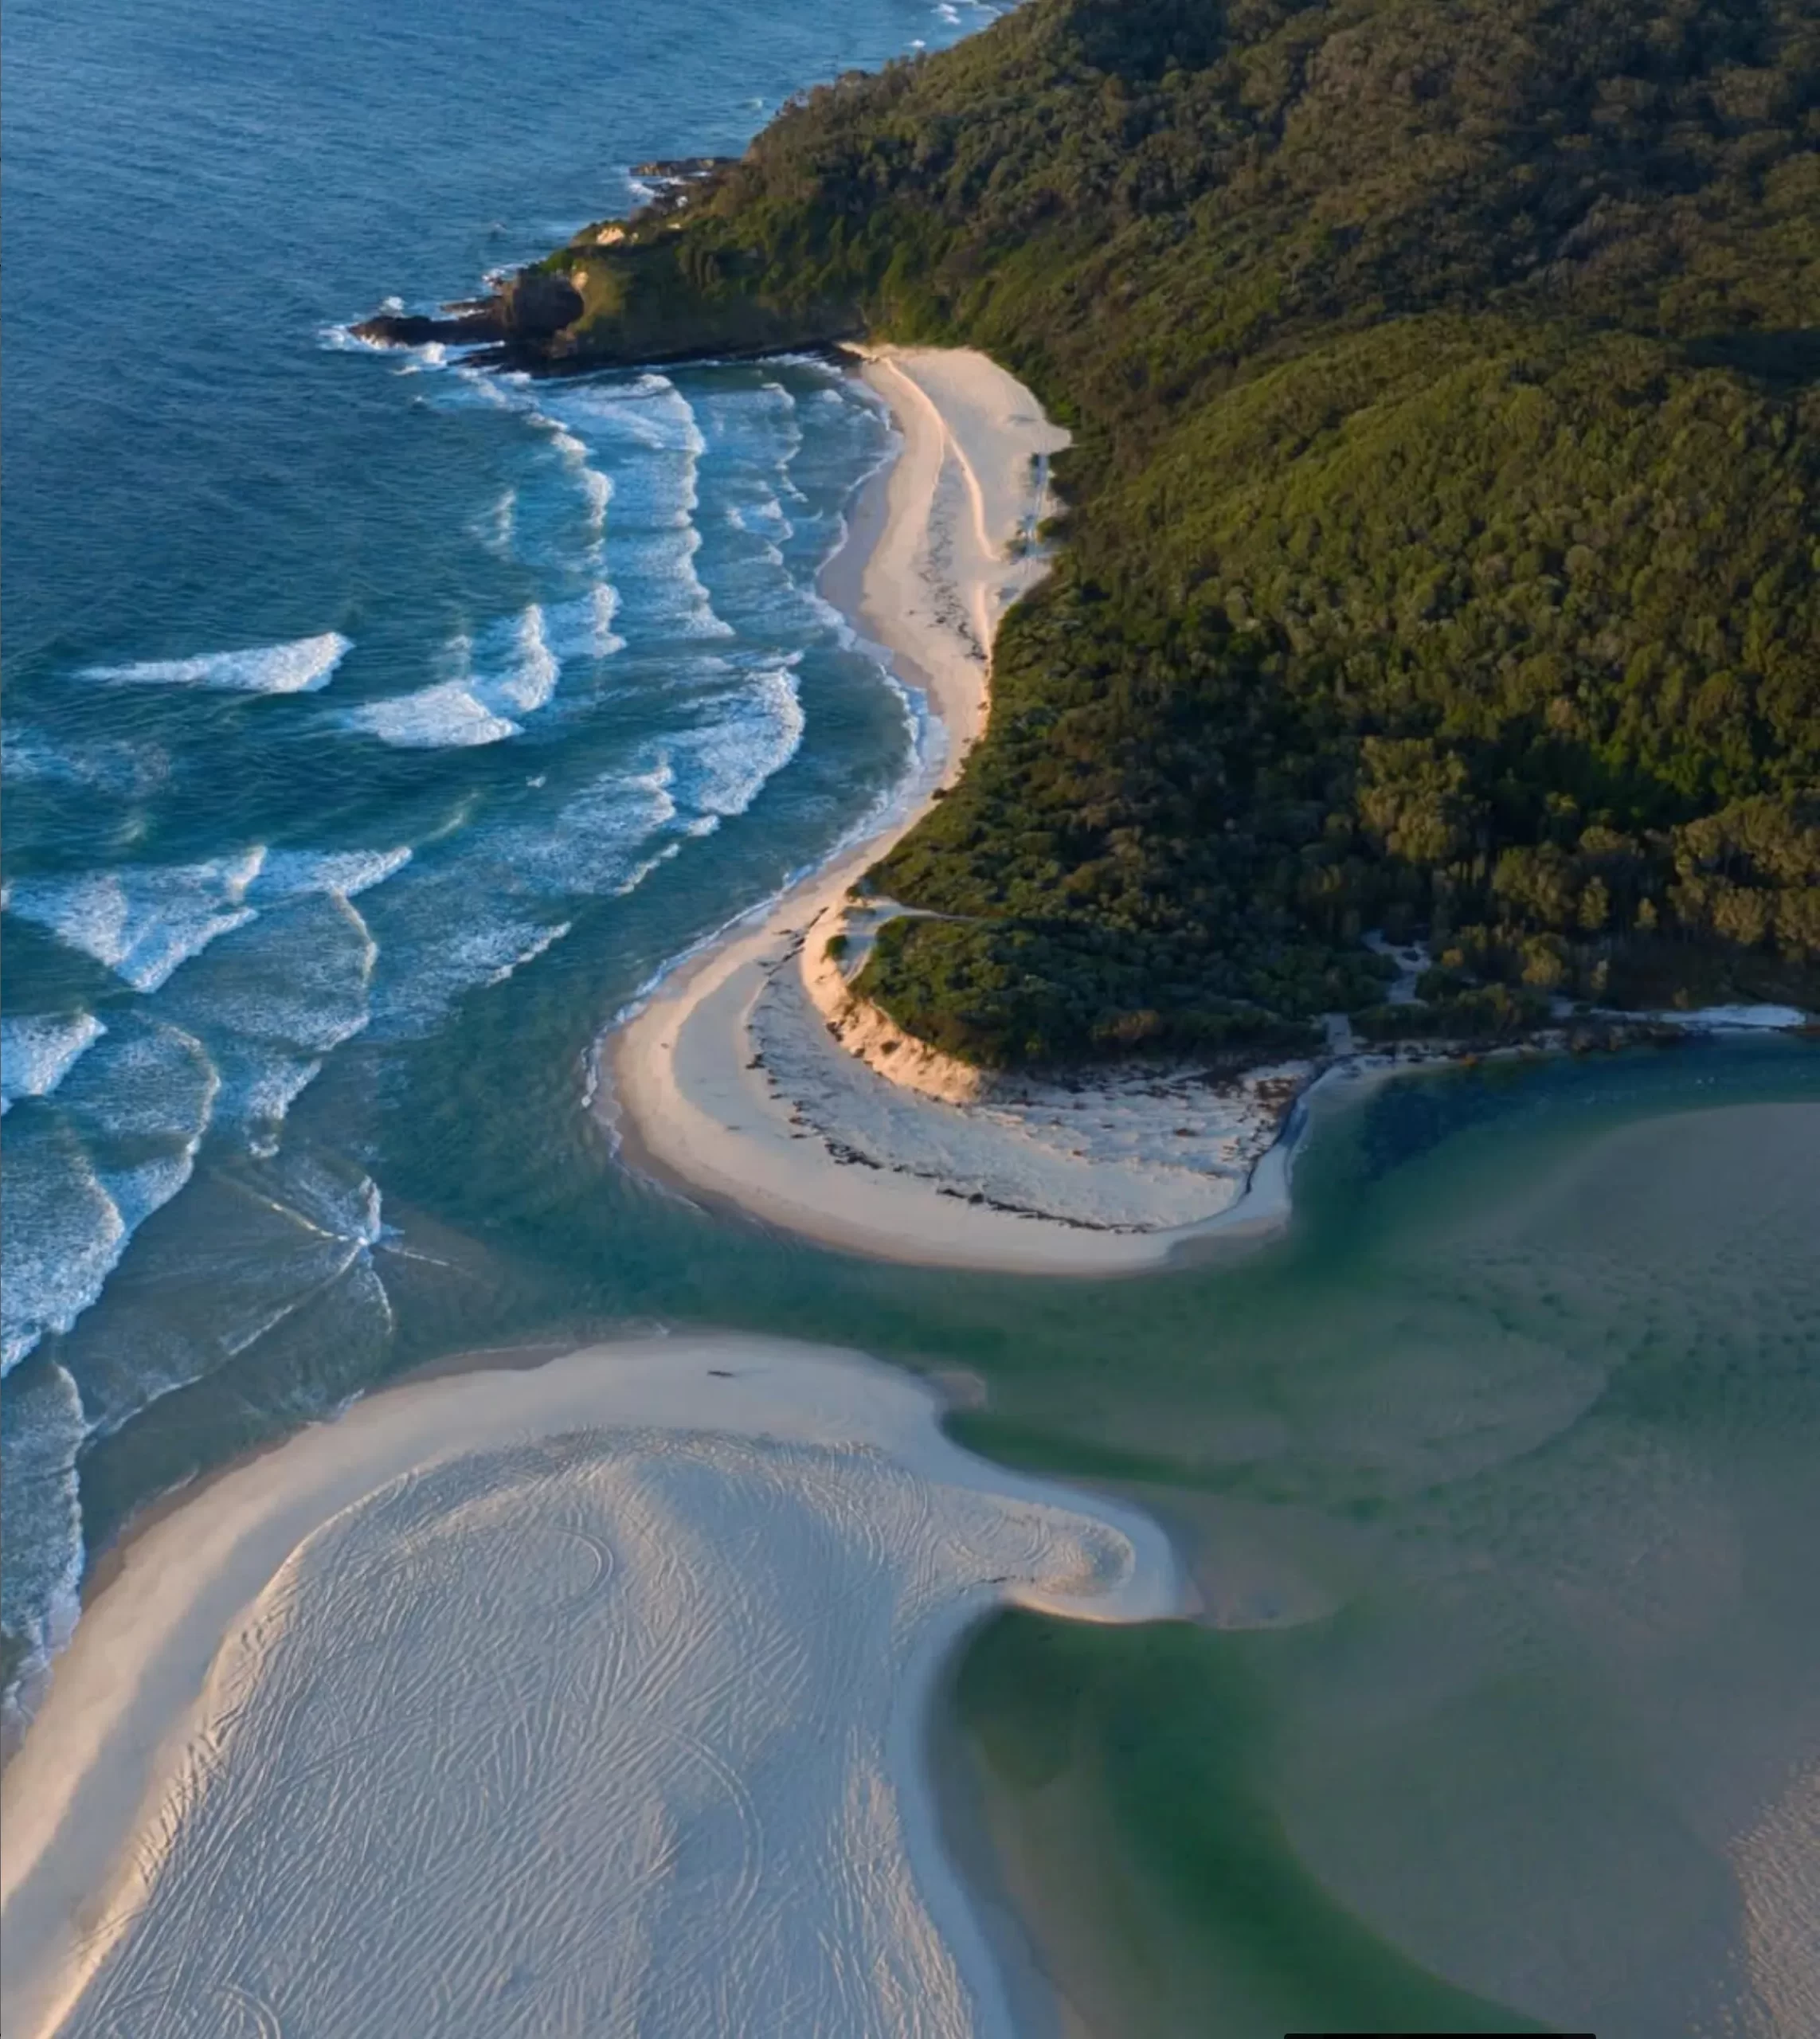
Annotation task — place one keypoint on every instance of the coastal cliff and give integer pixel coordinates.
(637, 291)
(1438, 555)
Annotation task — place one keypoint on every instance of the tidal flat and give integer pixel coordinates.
(1497, 1484)
(1492, 1481)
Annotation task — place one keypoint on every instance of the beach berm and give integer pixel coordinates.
(757, 1076)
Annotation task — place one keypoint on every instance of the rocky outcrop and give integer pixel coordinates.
(538, 304)
(528, 311)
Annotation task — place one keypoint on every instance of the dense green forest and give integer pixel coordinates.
(1440, 553)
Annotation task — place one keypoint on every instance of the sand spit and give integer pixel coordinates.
(586, 1699)
(754, 1074)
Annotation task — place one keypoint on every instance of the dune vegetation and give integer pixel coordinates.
(1440, 555)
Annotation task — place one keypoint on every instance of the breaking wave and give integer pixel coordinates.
(642, 582)
(143, 923)
(38, 1050)
(301, 667)
(509, 671)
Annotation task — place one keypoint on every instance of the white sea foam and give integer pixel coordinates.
(296, 981)
(599, 491)
(596, 486)
(457, 928)
(261, 1102)
(339, 339)
(39, 1601)
(484, 387)
(64, 1235)
(38, 1050)
(719, 769)
(515, 392)
(495, 530)
(150, 1080)
(441, 718)
(755, 423)
(148, 1186)
(518, 670)
(762, 517)
(546, 939)
(583, 628)
(144, 920)
(274, 999)
(648, 410)
(600, 841)
(292, 874)
(647, 433)
(343, 339)
(460, 948)
(432, 354)
(662, 590)
(509, 670)
(648, 417)
(297, 1238)
(303, 666)
(70, 1209)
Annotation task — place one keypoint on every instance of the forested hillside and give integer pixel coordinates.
(1443, 552)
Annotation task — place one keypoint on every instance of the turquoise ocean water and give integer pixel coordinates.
(344, 690)
(374, 730)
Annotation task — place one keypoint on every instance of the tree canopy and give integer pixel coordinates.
(1442, 551)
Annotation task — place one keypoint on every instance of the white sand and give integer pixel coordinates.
(588, 1699)
(754, 1076)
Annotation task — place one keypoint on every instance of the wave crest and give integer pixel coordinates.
(305, 665)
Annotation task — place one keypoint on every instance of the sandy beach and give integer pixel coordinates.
(753, 1075)
(589, 1697)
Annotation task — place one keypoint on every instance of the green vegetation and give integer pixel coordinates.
(1442, 551)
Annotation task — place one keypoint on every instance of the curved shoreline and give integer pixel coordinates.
(154, 1712)
(752, 1078)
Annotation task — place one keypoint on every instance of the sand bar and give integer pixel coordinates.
(754, 1076)
(586, 1698)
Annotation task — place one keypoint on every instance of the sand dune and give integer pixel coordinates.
(755, 1076)
(587, 1699)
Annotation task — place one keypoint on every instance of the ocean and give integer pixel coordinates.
(376, 730)
(343, 688)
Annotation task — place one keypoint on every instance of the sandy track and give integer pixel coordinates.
(754, 1076)
(585, 1700)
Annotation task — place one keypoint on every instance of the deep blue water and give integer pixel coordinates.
(374, 727)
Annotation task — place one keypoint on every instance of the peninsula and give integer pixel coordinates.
(761, 1073)
(1431, 647)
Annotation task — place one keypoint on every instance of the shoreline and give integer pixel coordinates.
(751, 1079)
(754, 1080)
(193, 1618)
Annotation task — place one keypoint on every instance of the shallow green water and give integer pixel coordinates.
(1502, 1514)
(1503, 1482)
(1498, 1475)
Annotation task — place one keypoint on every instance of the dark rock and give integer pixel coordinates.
(527, 310)
(388, 329)
(538, 305)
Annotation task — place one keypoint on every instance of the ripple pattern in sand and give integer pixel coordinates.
(584, 1735)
